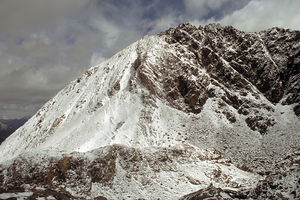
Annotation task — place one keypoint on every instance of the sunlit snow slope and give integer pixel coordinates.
(98, 109)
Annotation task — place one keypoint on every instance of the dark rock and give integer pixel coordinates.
(212, 192)
(274, 75)
(297, 110)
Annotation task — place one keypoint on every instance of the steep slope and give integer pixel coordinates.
(202, 88)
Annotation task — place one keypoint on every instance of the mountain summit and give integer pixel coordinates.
(169, 115)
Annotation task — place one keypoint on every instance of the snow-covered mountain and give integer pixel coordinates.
(167, 116)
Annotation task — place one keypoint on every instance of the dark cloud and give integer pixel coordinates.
(45, 44)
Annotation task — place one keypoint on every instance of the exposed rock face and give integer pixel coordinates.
(236, 61)
(169, 115)
(269, 59)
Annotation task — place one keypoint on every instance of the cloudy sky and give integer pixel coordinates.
(44, 44)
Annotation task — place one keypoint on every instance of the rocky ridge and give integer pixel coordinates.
(236, 61)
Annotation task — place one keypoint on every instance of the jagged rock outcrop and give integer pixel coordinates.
(269, 60)
(154, 108)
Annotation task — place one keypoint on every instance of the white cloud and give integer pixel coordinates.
(164, 23)
(259, 15)
(96, 58)
(108, 29)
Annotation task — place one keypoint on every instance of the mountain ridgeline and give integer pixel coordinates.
(190, 113)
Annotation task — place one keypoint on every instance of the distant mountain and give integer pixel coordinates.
(191, 113)
(5, 131)
(8, 126)
(15, 123)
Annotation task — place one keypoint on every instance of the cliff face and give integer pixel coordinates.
(190, 106)
(269, 60)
